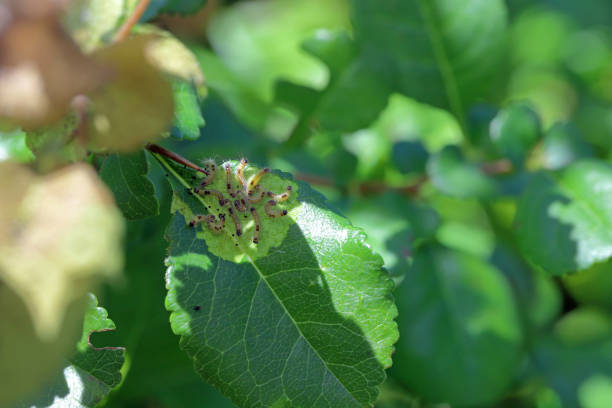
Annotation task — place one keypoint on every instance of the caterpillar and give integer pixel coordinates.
(212, 171)
(242, 198)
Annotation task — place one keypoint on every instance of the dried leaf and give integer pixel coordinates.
(65, 236)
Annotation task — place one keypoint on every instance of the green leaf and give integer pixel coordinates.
(460, 336)
(536, 293)
(569, 365)
(514, 131)
(13, 146)
(591, 286)
(395, 227)
(563, 145)
(187, 114)
(410, 156)
(159, 374)
(91, 373)
(308, 322)
(173, 7)
(252, 110)
(440, 52)
(564, 221)
(126, 176)
(429, 56)
(452, 175)
(349, 80)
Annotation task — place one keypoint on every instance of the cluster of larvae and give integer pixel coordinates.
(248, 192)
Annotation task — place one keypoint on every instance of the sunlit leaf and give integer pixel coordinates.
(564, 222)
(308, 310)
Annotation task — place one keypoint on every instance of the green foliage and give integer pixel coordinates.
(321, 314)
(563, 222)
(467, 343)
(90, 373)
(187, 116)
(514, 131)
(450, 174)
(173, 7)
(125, 175)
(452, 157)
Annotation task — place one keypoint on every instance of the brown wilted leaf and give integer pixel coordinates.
(41, 69)
(136, 106)
(65, 235)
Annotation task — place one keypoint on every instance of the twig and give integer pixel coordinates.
(153, 148)
(125, 29)
(498, 167)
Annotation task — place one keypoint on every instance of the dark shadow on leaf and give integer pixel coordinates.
(544, 240)
(459, 343)
(268, 333)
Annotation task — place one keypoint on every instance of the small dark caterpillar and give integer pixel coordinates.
(274, 213)
(257, 225)
(212, 171)
(211, 221)
(248, 192)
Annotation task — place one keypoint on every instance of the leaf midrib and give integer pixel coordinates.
(451, 87)
(262, 277)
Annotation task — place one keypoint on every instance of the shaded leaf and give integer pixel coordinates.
(460, 336)
(245, 104)
(90, 373)
(591, 286)
(452, 175)
(395, 227)
(430, 56)
(514, 131)
(70, 218)
(563, 145)
(159, 372)
(311, 318)
(536, 293)
(410, 156)
(567, 364)
(564, 222)
(157, 7)
(126, 176)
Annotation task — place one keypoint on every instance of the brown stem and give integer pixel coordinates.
(173, 156)
(502, 166)
(125, 29)
(497, 167)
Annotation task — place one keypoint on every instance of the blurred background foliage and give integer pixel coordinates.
(478, 163)
(330, 91)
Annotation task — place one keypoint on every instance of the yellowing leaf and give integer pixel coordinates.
(172, 57)
(66, 236)
(26, 361)
(136, 106)
(93, 23)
